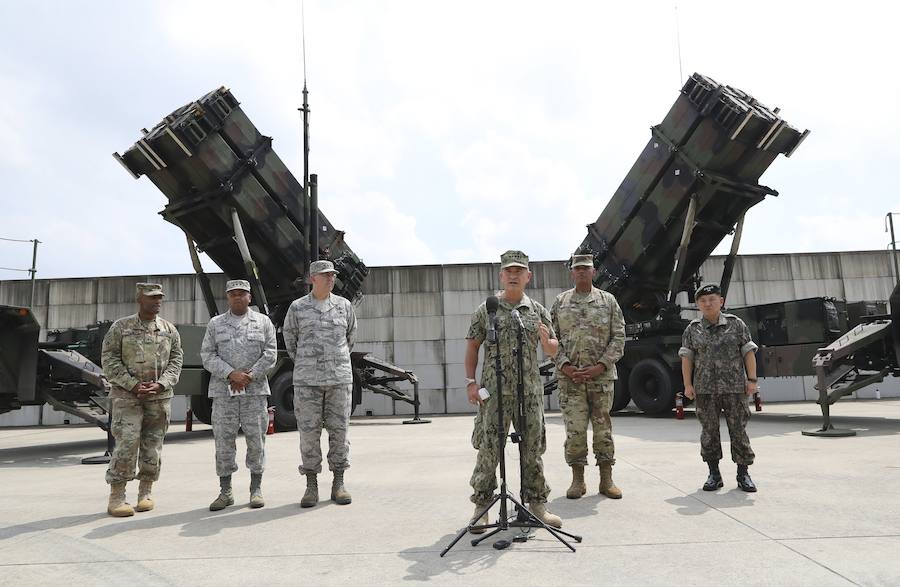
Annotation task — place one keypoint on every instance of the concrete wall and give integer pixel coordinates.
(418, 316)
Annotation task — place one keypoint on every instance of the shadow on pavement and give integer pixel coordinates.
(701, 502)
(66, 454)
(49, 524)
(200, 522)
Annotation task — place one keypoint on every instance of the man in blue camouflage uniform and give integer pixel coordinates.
(238, 349)
(591, 331)
(718, 366)
(514, 276)
(318, 333)
(142, 360)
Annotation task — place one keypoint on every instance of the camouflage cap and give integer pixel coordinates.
(317, 267)
(513, 259)
(148, 289)
(709, 288)
(582, 261)
(237, 284)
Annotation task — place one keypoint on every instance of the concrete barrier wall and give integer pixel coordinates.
(418, 316)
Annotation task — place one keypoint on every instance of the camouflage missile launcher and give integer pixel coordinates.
(689, 188)
(714, 144)
(208, 158)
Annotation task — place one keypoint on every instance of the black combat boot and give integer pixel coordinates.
(714, 481)
(744, 481)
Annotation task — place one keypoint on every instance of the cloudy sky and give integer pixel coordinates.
(442, 132)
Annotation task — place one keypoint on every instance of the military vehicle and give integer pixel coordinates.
(54, 372)
(689, 188)
(236, 200)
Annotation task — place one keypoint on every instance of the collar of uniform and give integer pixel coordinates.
(525, 302)
(328, 302)
(586, 297)
(155, 321)
(706, 323)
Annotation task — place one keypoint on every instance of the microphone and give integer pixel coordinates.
(491, 304)
(518, 318)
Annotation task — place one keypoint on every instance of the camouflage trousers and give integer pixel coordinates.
(582, 405)
(486, 440)
(737, 413)
(327, 405)
(250, 414)
(138, 428)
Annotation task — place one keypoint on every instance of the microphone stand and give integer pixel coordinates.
(523, 518)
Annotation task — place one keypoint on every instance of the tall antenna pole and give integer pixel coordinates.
(678, 42)
(310, 254)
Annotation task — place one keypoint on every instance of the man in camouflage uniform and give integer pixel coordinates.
(238, 348)
(318, 333)
(718, 366)
(591, 331)
(514, 276)
(142, 360)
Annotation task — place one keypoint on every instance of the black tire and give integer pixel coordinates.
(651, 386)
(282, 388)
(201, 408)
(621, 395)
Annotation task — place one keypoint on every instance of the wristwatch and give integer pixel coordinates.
(469, 381)
(753, 380)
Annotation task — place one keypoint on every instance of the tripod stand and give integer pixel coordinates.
(523, 517)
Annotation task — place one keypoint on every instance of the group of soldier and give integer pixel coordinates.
(583, 333)
(142, 359)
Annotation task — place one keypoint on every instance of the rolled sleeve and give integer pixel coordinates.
(750, 347)
(686, 353)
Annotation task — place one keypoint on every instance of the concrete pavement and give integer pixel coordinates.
(827, 511)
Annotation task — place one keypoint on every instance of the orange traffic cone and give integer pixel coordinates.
(189, 420)
(271, 428)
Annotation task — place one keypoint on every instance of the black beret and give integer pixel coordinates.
(710, 288)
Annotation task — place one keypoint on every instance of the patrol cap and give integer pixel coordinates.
(237, 284)
(709, 288)
(513, 259)
(317, 267)
(582, 261)
(148, 289)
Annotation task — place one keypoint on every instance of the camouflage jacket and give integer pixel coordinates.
(532, 313)
(717, 351)
(591, 330)
(246, 346)
(319, 340)
(135, 351)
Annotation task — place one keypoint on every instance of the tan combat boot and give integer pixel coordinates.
(578, 488)
(311, 497)
(607, 486)
(540, 510)
(339, 493)
(117, 506)
(145, 501)
(482, 521)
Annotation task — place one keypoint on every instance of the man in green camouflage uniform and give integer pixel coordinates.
(238, 349)
(318, 333)
(591, 331)
(142, 360)
(514, 276)
(718, 366)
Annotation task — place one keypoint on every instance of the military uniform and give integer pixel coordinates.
(591, 330)
(140, 351)
(486, 434)
(717, 351)
(318, 335)
(239, 343)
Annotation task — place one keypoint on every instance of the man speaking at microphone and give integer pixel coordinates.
(513, 306)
